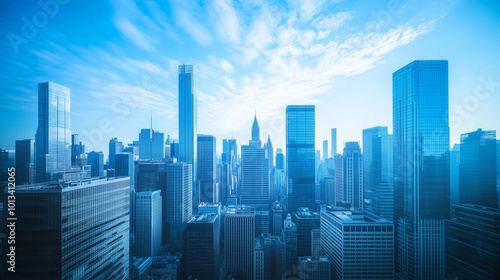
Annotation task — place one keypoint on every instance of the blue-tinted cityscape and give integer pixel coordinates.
(227, 140)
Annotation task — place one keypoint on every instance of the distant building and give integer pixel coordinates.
(25, 161)
(314, 268)
(268, 258)
(151, 144)
(289, 236)
(148, 232)
(115, 147)
(316, 242)
(96, 161)
(334, 142)
(206, 169)
(277, 218)
(306, 221)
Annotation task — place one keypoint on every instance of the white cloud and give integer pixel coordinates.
(332, 21)
(133, 33)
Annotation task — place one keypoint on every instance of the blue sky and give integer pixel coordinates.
(120, 60)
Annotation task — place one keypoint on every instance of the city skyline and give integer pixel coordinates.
(336, 94)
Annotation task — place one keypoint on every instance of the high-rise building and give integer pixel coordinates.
(280, 159)
(378, 172)
(124, 166)
(148, 217)
(179, 203)
(206, 168)
(239, 239)
(78, 156)
(325, 149)
(316, 242)
(25, 161)
(334, 142)
(473, 242)
(306, 221)
(349, 184)
(359, 244)
(277, 219)
(64, 236)
(230, 157)
(421, 168)
(254, 184)
(289, 236)
(53, 135)
(202, 246)
(455, 174)
(96, 161)
(478, 168)
(151, 144)
(314, 268)
(273, 191)
(300, 158)
(262, 222)
(188, 123)
(268, 257)
(115, 147)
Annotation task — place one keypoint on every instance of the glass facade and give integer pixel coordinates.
(478, 168)
(151, 145)
(53, 135)
(25, 161)
(188, 123)
(148, 217)
(206, 161)
(421, 167)
(300, 156)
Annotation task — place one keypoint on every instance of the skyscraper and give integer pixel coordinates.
(268, 258)
(25, 161)
(179, 202)
(78, 156)
(124, 166)
(325, 149)
(273, 191)
(239, 234)
(254, 184)
(69, 231)
(53, 135)
(151, 144)
(421, 168)
(148, 235)
(306, 221)
(202, 246)
(334, 142)
(314, 268)
(350, 182)
(359, 244)
(96, 161)
(115, 147)
(478, 168)
(289, 236)
(300, 158)
(378, 174)
(188, 123)
(455, 174)
(206, 168)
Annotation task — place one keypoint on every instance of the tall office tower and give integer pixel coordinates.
(53, 135)
(133, 149)
(359, 244)
(306, 221)
(316, 243)
(206, 168)
(230, 156)
(262, 222)
(150, 175)
(25, 161)
(115, 147)
(277, 218)
(224, 180)
(455, 175)
(254, 184)
(334, 142)
(78, 157)
(280, 159)
(54, 216)
(273, 191)
(148, 218)
(317, 162)
(239, 234)
(378, 172)
(96, 161)
(478, 168)
(124, 166)
(179, 205)
(202, 246)
(188, 123)
(421, 168)
(314, 268)
(151, 144)
(327, 190)
(300, 157)
(349, 177)
(289, 236)
(7, 160)
(268, 258)
(473, 243)
(325, 149)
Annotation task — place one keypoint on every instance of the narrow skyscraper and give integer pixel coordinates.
(53, 135)
(325, 149)
(206, 168)
(334, 142)
(148, 223)
(421, 168)
(25, 161)
(300, 157)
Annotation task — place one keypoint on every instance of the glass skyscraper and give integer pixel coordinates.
(25, 161)
(151, 144)
(53, 135)
(378, 172)
(478, 168)
(148, 216)
(300, 157)
(421, 168)
(188, 123)
(206, 161)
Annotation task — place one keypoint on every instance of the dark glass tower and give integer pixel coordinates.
(478, 168)
(25, 161)
(53, 135)
(300, 156)
(188, 123)
(421, 168)
(206, 168)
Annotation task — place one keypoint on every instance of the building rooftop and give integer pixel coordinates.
(207, 204)
(240, 209)
(204, 218)
(139, 262)
(66, 186)
(305, 213)
(355, 216)
(313, 259)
